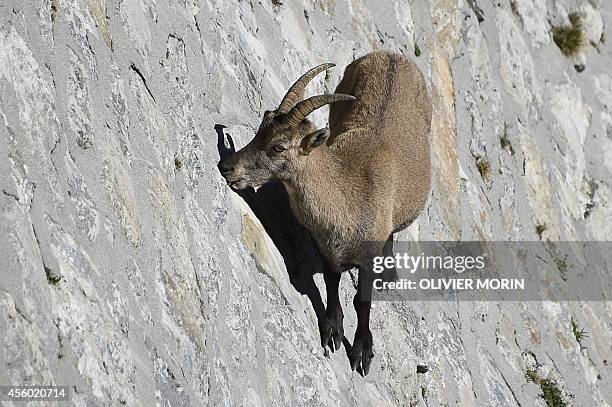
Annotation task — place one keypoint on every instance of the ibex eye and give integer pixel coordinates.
(278, 148)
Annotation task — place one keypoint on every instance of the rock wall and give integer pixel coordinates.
(133, 274)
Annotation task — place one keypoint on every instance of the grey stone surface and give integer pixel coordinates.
(131, 273)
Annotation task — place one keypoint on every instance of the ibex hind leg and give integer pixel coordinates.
(389, 274)
(361, 352)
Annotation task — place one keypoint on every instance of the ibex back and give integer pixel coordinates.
(363, 179)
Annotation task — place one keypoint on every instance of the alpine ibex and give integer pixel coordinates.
(363, 179)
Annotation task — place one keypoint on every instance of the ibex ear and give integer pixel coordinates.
(313, 140)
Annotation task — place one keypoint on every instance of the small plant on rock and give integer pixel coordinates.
(484, 168)
(578, 332)
(540, 229)
(550, 392)
(562, 267)
(52, 278)
(570, 39)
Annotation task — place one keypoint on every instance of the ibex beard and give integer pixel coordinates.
(362, 179)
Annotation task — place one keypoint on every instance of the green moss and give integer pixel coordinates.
(550, 393)
(540, 229)
(178, 164)
(417, 50)
(52, 278)
(484, 168)
(562, 267)
(579, 333)
(570, 39)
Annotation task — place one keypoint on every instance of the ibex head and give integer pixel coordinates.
(284, 138)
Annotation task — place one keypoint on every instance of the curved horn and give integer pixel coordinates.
(296, 91)
(305, 107)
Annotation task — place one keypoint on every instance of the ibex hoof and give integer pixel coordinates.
(332, 330)
(361, 353)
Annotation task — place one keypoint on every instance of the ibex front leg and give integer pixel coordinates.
(361, 352)
(332, 330)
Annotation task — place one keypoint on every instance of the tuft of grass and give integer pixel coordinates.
(579, 333)
(562, 267)
(550, 392)
(417, 50)
(52, 278)
(178, 164)
(504, 140)
(484, 168)
(540, 229)
(277, 3)
(575, 19)
(570, 39)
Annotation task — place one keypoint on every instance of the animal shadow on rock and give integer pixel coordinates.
(270, 203)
